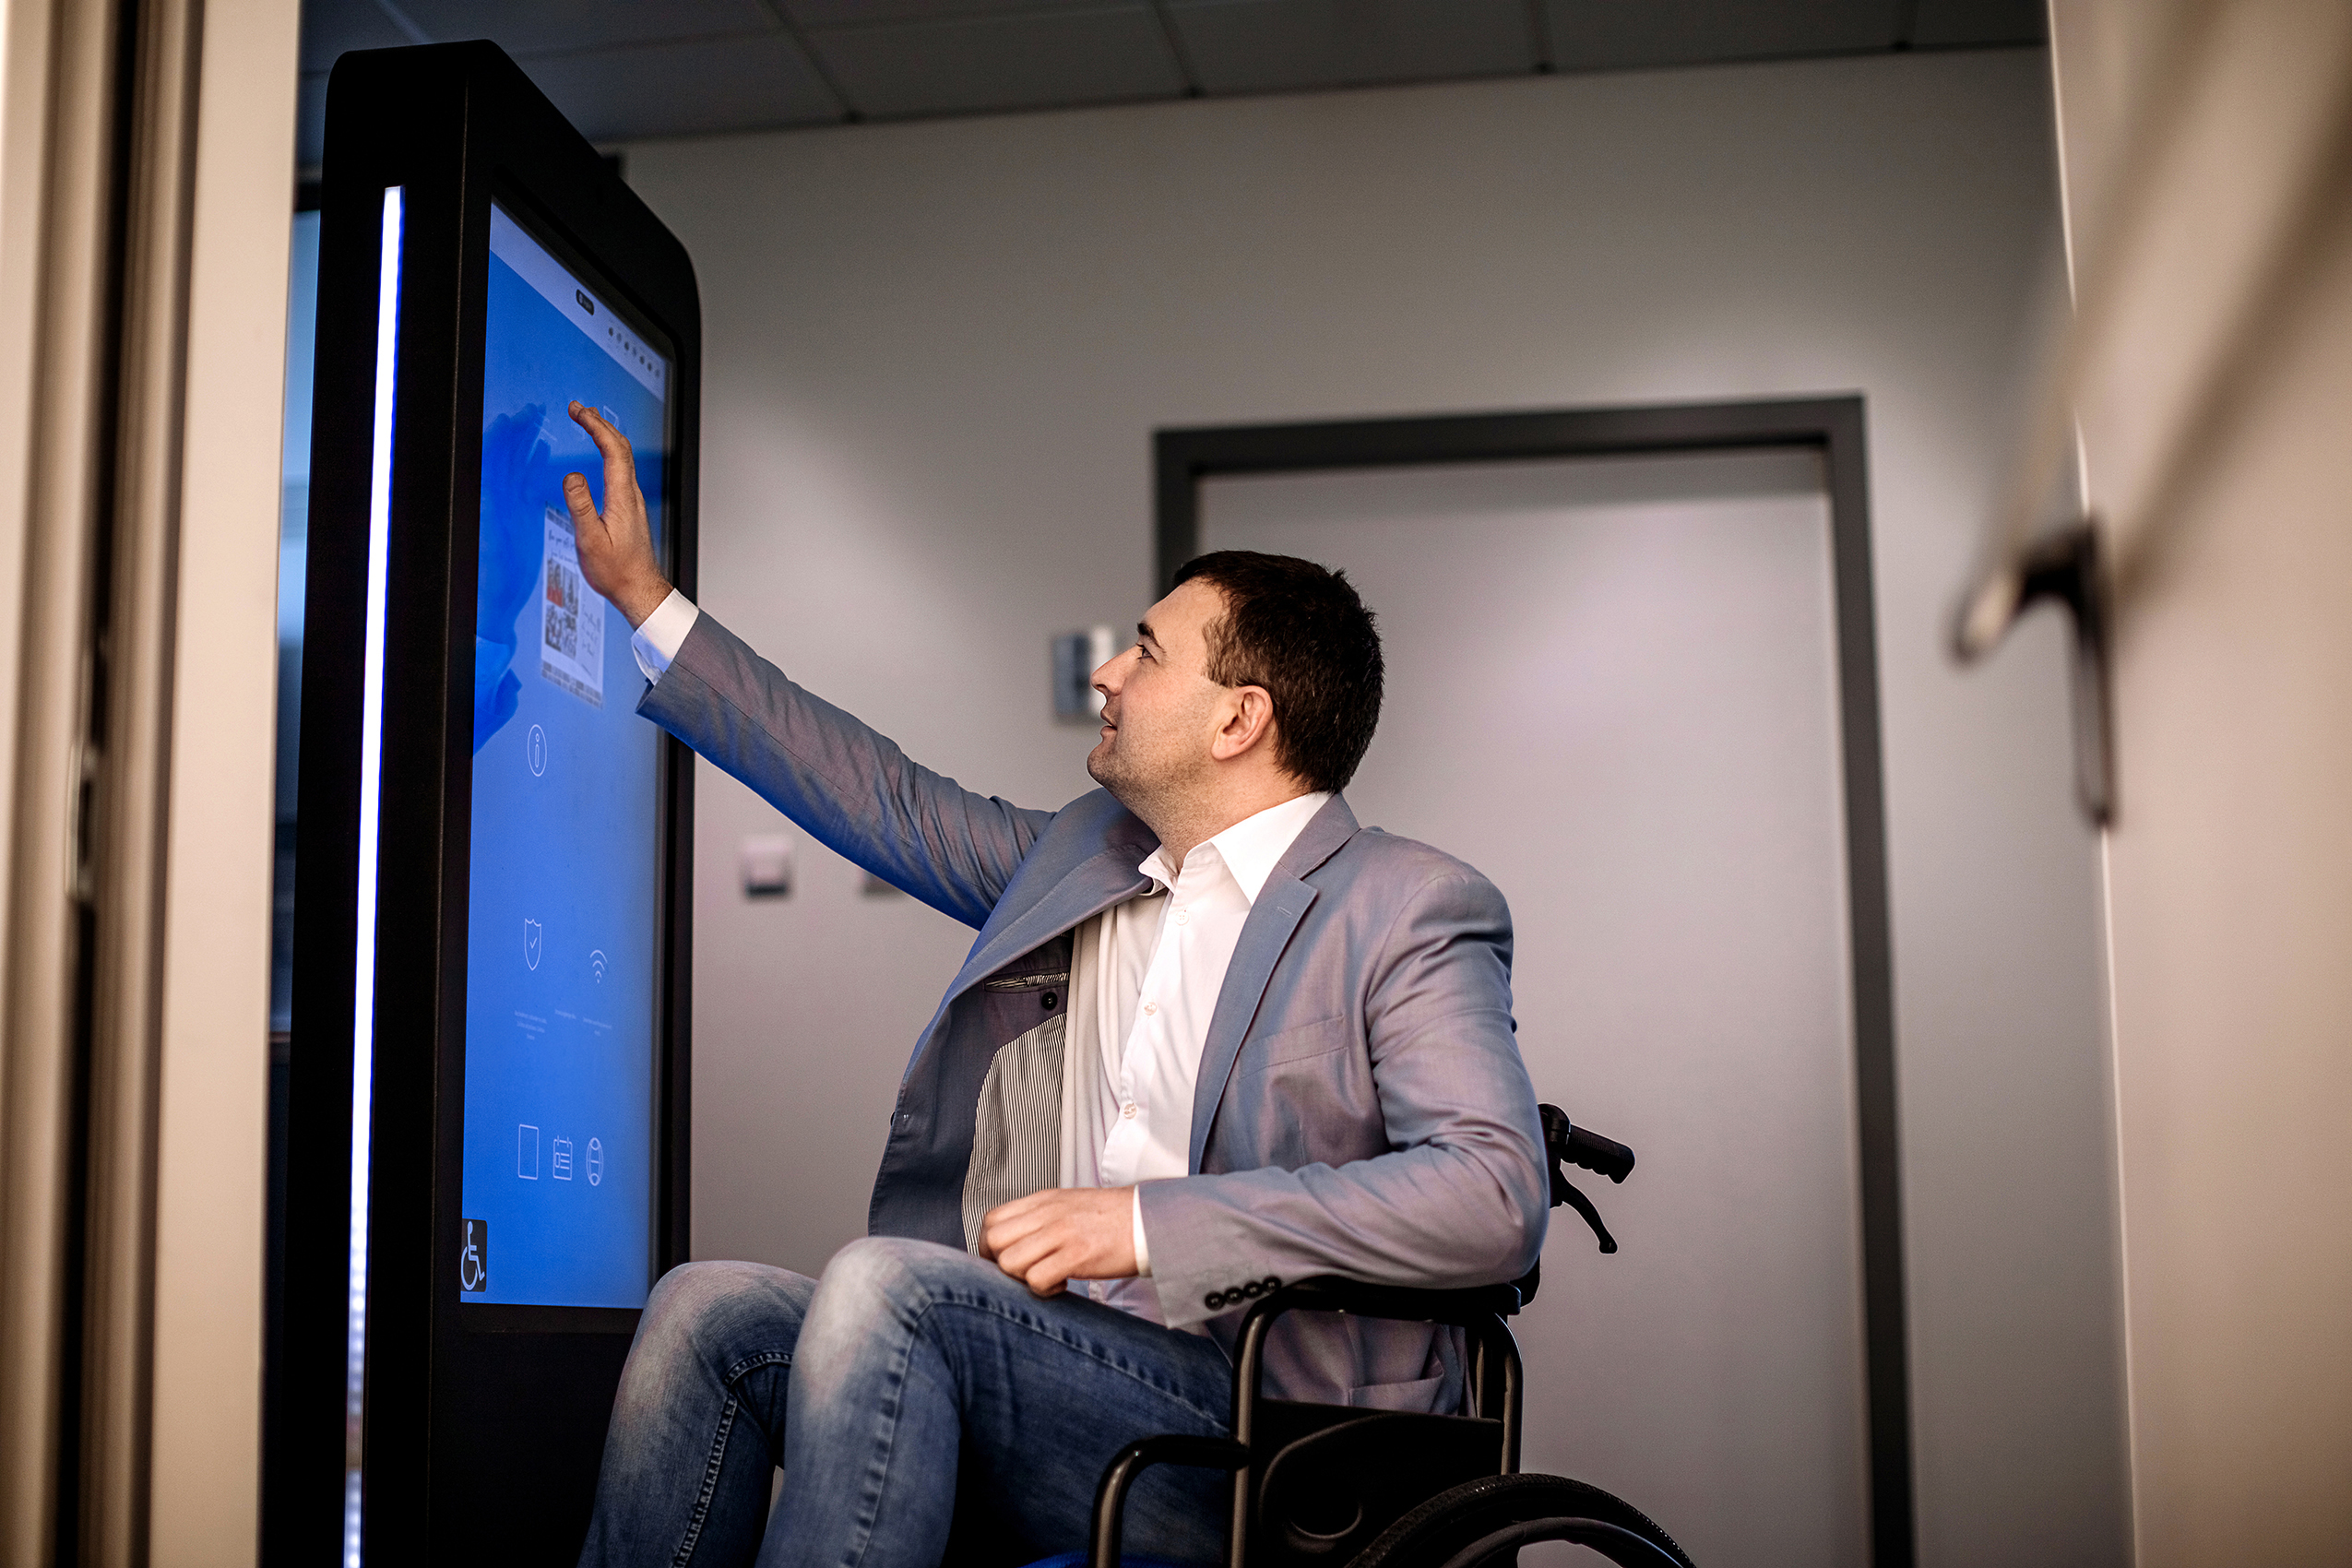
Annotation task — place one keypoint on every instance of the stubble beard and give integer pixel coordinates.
(1107, 768)
(1146, 793)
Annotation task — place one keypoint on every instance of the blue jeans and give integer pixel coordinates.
(917, 1399)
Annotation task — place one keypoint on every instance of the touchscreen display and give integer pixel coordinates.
(564, 902)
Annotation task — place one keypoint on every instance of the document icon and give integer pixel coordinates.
(526, 1152)
(571, 653)
(560, 1161)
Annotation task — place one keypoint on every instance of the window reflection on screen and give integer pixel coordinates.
(563, 910)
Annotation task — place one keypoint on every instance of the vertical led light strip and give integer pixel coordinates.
(379, 530)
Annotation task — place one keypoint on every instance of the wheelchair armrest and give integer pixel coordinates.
(1330, 1294)
(1479, 1311)
(1173, 1448)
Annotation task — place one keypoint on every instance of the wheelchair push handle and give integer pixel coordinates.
(1565, 1142)
(1603, 1157)
(1584, 1147)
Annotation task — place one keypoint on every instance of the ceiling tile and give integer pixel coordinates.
(735, 84)
(331, 28)
(1033, 61)
(537, 27)
(1272, 45)
(1950, 23)
(1604, 34)
(859, 13)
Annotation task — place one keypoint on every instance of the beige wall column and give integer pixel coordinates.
(54, 246)
(2208, 151)
(212, 1128)
(141, 379)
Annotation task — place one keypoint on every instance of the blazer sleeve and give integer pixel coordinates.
(853, 789)
(1463, 1195)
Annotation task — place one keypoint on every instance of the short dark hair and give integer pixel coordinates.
(1299, 631)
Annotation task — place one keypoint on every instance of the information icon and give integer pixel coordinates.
(596, 1162)
(561, 1165)
(535, 751)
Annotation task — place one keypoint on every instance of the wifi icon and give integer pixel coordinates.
(596, 964)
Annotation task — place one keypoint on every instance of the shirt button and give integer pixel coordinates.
(1183, 916)
(1150, 1007)
(1128, 1109)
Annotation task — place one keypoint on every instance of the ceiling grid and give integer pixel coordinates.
(626, 71)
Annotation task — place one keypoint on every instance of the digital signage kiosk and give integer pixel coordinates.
(487, 1123)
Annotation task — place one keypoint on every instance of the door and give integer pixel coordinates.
(1613, 688)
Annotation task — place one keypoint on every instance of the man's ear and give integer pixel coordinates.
(1249, 722)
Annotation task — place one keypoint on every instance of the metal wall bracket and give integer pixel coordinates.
(2062, 566)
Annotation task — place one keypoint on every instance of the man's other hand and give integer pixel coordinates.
(616, 545)
(1062, 1233)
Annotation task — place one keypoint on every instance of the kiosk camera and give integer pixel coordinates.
(486, 1148)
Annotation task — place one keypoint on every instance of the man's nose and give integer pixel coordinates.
(1110, 675)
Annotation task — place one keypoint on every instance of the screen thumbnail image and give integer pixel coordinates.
(563, 903)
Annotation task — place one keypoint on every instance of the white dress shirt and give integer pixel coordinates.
(664, 633)
(1145, 977)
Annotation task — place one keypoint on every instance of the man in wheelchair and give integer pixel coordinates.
(1213, 1036)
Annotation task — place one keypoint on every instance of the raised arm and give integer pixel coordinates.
(848, 786)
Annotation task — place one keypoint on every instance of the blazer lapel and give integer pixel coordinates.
(1281, 904)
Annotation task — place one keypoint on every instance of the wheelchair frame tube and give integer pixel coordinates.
(1480, 1312)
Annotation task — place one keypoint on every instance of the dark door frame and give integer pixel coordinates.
(1834, 427)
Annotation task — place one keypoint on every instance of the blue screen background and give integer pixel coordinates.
(563, 905)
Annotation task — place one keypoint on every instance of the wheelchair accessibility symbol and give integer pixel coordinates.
(473, 1263)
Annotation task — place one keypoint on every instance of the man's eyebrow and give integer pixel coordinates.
(1143, 630)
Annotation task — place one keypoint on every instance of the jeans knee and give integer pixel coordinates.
(711, 1313)
(879, 1280)
(877, 1271)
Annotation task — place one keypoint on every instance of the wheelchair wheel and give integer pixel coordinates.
(1496, 1514)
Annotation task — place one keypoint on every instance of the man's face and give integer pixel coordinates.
(1161, 711)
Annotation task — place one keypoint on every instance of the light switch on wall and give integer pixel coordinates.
(766, 862)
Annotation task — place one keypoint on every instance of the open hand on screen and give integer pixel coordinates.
(615, 545)
(1061, 1234)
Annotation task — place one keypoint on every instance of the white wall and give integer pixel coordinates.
(936, 356)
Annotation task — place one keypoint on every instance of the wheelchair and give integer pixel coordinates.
(1331, 1486)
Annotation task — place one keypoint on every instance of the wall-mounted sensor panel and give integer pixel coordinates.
(1077, 656)
(487, 1128)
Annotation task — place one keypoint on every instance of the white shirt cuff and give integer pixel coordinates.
(1143, 1251)
(664, 633)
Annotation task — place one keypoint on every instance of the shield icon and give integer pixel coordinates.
(530, 944)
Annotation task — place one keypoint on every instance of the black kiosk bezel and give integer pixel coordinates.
(481, 1426)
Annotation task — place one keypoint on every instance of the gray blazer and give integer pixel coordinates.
(1361, 1109)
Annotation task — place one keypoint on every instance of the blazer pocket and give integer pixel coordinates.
(1306, 1042)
